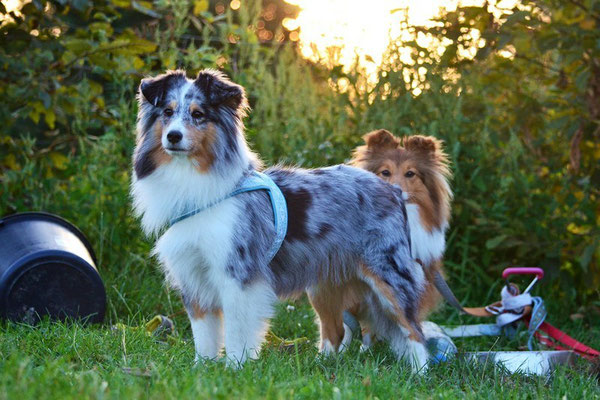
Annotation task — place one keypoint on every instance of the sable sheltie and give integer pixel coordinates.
(420, 167)
(345, 224)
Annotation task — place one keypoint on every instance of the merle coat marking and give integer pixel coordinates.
(217, 258)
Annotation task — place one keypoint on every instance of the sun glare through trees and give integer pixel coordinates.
(342, 31)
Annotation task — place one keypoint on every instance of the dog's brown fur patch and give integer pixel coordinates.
(384, 290)
(198, 312)
(397, 312)
(330, 301)
(431, 297)
(202, 148)
(158, 154)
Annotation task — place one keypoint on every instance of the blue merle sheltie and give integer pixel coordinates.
(344, 225)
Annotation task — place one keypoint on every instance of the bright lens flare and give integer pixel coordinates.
(343, 29)
(11, 6)
(337, 31)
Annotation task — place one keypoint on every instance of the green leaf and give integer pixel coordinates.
(144, 9)
(587, 254)
(473, 205)
(200, 6)
(68, 57)
(495, 242)
(101, 27)
(80, 4)
(50, 118)
(121, 3)
(11, 161)
(59, 160)
(78, 46)
(522, 43)
(515, 18)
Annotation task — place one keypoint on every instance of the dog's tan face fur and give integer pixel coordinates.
(417, 164)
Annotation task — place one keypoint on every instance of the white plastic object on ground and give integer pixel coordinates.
(525, 362)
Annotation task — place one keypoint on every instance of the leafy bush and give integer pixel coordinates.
(521, 130)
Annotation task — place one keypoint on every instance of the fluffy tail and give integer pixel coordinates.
(399, 283)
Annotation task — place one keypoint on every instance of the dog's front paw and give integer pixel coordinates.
(237, 359)
(234, 363)
(417, 356)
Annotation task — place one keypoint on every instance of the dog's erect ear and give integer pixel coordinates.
(381, 140)
(219, 90)
(431, 148)
(154, 90)
(424, 144)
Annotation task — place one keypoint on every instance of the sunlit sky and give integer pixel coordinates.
(11, 4)
(358, 27)
(337, 31)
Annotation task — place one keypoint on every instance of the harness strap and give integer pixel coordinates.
(256, 181)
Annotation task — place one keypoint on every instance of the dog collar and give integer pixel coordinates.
(256, 181)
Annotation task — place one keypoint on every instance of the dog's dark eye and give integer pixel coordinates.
(168, 112)
(409, 174)
(197, 114)
(385, 172)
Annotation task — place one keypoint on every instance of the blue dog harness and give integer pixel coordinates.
(256, 181)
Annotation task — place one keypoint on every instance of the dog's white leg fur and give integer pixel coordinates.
(346, 340)
(398, 343)
(208, 335)
(246, 312)
(326, 348)
(367, 342)
(417, 356)
(413, 352)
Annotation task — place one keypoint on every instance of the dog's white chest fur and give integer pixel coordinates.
(426, 246)
(193, 252)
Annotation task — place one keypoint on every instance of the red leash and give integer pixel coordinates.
(562, 338)
(552, 337)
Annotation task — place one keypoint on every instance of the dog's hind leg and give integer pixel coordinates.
(246, 311)
(329, 302)
(398, 282)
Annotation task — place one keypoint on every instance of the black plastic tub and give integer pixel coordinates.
(47, 267)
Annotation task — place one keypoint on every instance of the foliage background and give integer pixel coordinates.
(518, 108)
(517, 105)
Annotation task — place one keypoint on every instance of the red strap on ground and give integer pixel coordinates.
(546, 341)
(563, 338)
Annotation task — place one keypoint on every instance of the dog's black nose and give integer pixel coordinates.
(174, 137)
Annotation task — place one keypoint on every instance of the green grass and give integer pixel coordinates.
(506, 211)
(68, 360)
